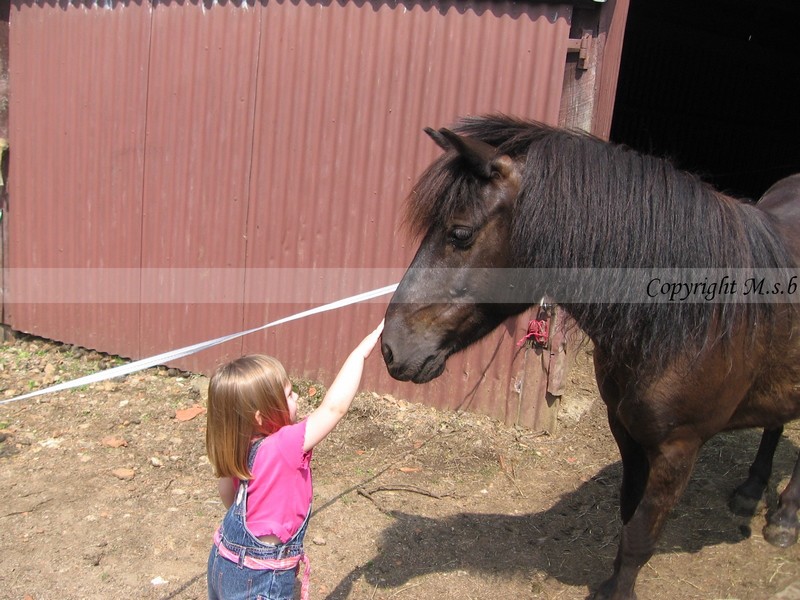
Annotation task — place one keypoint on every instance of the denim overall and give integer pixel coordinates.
(240, 566)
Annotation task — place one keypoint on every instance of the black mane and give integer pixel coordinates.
(588, 203)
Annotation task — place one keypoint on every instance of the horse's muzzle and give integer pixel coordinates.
(418, 371)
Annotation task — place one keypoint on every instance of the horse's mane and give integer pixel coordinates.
(588, 203)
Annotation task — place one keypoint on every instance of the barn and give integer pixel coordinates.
(175, 171)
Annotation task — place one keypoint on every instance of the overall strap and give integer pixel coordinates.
(251, 461)
(251, 454)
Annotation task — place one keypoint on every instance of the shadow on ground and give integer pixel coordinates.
(575, 540)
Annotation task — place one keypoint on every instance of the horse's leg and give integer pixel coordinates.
(670, 466)
(634, 458)
(634, 468)
(782, 527)
(745, 498)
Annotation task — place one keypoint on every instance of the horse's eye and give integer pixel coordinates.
(460, 236)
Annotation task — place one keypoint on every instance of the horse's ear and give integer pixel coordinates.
(437, 137)
(479, 155)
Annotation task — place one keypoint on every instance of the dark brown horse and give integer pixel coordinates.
(514, 210)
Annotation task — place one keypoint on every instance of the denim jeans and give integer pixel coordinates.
(229, 581)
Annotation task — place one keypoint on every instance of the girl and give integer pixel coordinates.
(263, 460)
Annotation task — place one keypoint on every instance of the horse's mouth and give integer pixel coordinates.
(431, 368)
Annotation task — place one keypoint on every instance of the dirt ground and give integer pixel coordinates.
(105, 492)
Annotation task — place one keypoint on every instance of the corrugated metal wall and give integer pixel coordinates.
(78, 81)
(204, 166)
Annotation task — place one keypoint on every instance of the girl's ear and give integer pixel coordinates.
(259, 418)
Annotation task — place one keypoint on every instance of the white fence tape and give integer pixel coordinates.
(166, 357)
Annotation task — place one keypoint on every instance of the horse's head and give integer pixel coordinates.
(453, 292)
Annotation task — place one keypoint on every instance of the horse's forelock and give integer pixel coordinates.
(448, 186)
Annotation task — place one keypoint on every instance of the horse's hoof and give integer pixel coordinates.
(780, 535)
(743, 506)
(607, 591)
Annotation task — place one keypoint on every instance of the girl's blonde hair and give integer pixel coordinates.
(236, 391)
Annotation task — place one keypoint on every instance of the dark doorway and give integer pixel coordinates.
(713, 85)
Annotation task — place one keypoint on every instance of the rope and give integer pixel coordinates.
(539, 330)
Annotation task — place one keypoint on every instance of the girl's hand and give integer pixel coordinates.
(368, 343)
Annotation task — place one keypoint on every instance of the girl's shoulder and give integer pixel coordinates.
(287, 443)
(289, 431)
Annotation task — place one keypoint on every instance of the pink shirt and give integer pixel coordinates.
(279, 494)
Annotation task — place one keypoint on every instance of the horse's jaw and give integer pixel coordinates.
(422, 371)
(421, 355)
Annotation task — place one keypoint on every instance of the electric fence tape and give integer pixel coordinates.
(166, 357)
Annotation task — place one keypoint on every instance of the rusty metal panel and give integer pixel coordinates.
(4, 8)
(77, 106)
(200, 117)
(343, 94)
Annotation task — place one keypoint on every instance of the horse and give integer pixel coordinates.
(511, 201)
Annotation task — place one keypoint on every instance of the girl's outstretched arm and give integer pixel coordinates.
(341, 393)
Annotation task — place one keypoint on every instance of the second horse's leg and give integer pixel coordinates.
(745, 498)
(782, 527)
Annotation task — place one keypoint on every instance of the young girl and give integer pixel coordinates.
(263, 457)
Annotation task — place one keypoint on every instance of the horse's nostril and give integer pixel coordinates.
(388, 357)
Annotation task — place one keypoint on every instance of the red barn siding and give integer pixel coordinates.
(76, 118)
(222, 157)
(198, 157)
(336, 152)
